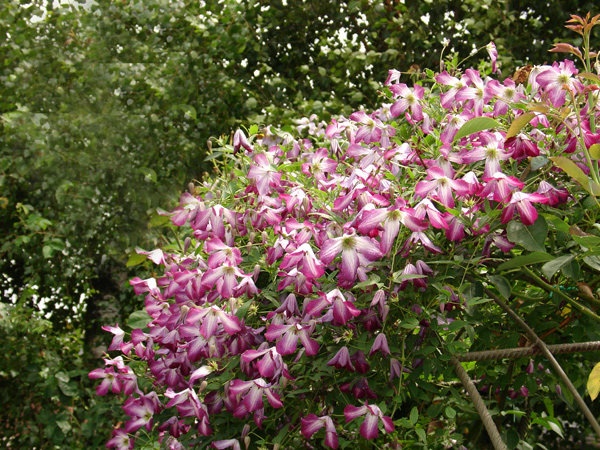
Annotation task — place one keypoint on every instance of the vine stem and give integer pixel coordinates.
(578, 306)
(479, 404)
(533, 337)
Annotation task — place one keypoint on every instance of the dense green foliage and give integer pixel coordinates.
(106, 110)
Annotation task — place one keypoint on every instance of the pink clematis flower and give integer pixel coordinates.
(287, 336)
(371, 129)
(141, 410)
(557, 80)
(380, 345)
(407, 99)
(440, 186)
(240, 140)
(390, 219)
(493, 54)
(123, 379)
(233, 444)
(342, 360)
(247, 396)
(340, 310)
(369, 428)
(523, 203)
(311, 424)
(223, 278)
(357, 252)
(189, 405)
(120, 440)
(117, 341)
(264, 175)
(555, 196)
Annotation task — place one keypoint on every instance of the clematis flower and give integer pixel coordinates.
(522, 202)
(310, 424)
(269, 362)
(357, 251)
(500, 187)
(380, 345)
(220, 253)
(117, 341)
(141, 410)
(390, 219)
(287, 336)
(247, 396)
(303, 259)
(493, 54)
(264, 175)
(120, 440)
(224, 278)
(557, 80)
(340, 310)
(233, 444)
(554, 195)
(474, 95)
(488, 147)
(456, 85)
(407, 99)
(240, 140)
(123, 379)
(189, 405)
(341, 360)
(369, 428)
(506, 94)
(371, 129)
(440, 186)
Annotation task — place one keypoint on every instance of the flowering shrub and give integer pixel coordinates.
(321, 282)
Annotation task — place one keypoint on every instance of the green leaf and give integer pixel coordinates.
(138, 319)
(135, 259)
(594, 151)
(475, 125)
(573, 170)
(450, 412)
(69, 389)
(589, 242)
(530, 237)
(525, 260)
(558, 223)
(414, 415)
(242, 310)
(590, 76)
(502, 284)
(592, 261)
(149, 174)
(551, 267)
(517, 125)
(593, 383)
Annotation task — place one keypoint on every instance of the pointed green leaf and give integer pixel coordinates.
(135, 259)
(138, 319)
(592, 261)
(517, 125)
(502, 284)
(595, 151)
(573, 170)
(593, 383)
(590, 76)
(525, 260)
(590, 241)
(475, 125)
(551, 267)
(414, 416)
(529, 237)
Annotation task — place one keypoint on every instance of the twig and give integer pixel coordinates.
(482, 410)
(533, 337)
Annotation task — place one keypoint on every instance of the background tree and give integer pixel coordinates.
(106, 108)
